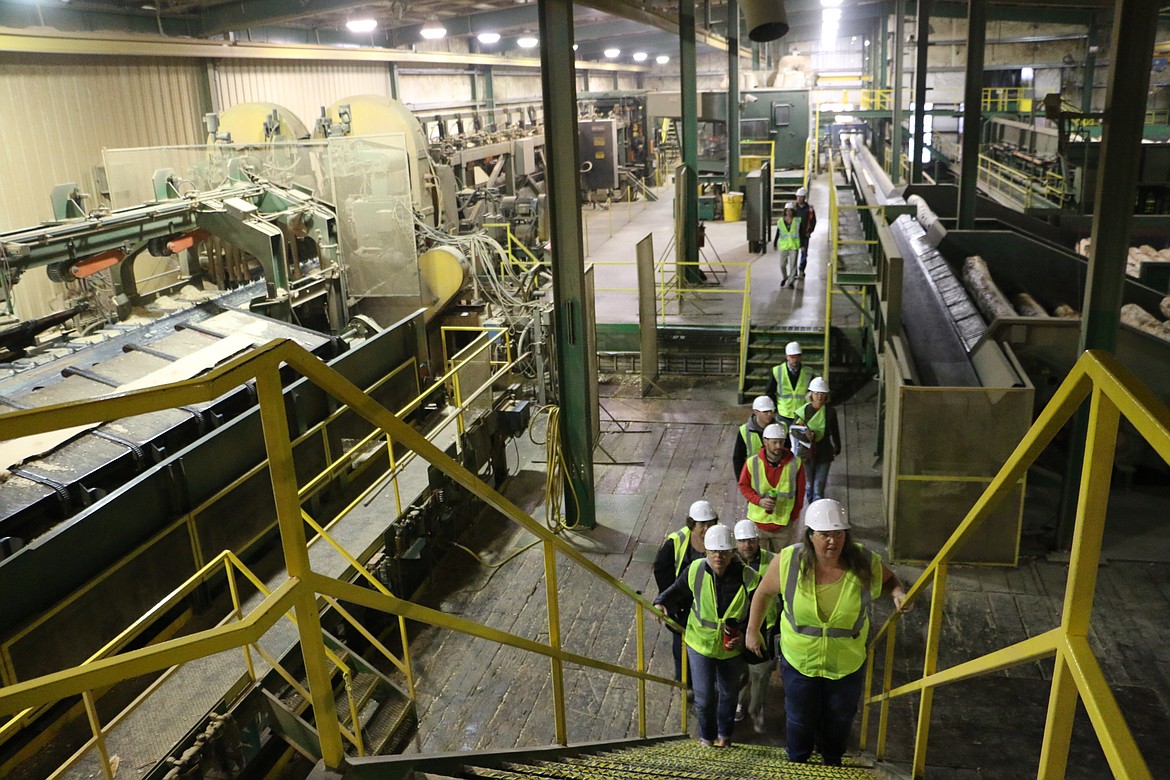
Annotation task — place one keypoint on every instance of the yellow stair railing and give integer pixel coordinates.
(1114, 392)
(301, 592)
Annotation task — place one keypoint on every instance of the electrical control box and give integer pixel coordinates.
(598, 140)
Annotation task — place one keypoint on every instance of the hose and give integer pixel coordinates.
(555, 479)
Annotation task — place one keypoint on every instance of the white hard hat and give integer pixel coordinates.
(774, 431)
(718, 538)
(790, 206)
(701, 512)
(825, 514)
(818, 385)
(793, 348)
(802, 192)
(746, 529)
(763, 403)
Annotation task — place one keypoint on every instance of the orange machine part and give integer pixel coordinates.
(99, 262)
(176, 245)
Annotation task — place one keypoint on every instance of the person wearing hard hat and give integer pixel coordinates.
(788, 383)
(751, 433)
(717, 594)
(823, 434)
(752, 690)
(826, 583)
(808, 222)
(680, 550)
(787, 240)
(773, 483)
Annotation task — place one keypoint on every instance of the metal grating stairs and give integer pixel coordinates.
(766, 349)
(677, 758)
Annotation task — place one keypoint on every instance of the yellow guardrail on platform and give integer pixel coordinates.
(748, 162)
(1019, 186)
(1113, 392)
(304, 586)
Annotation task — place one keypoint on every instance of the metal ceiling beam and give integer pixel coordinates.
(127, 45)
(635, 12)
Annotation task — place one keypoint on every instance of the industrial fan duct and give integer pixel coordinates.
(766, 19)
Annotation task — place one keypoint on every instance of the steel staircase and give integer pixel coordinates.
(766, 349)
(671, 758)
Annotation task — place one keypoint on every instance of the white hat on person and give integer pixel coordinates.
(718, 538)
(774, 431)
(763, 403)
(825, 514)
(792, 348)
(701, 512)
(746, 529)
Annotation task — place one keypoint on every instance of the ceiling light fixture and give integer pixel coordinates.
(527, 42)
(433, 31)
(488, 37)
(362, 25)
(640, 56)
(662, 59)
(612, 53)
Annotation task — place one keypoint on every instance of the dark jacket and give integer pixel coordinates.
(665, 573)
(808, 221)
(739, 454)
(678, 597)
(830, 446)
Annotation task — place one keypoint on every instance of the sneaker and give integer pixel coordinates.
(704, 742)
(758, 725)
(800, 275)
(740, 711)
(784, 281)
(723, 742)
(690, 696)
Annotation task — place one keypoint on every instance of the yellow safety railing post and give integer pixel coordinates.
(929, 667)
(640, 627)
(359, 742)
(99, 737)
(1092, 508)
(237, 611)
(867, 692)
(887, 683)
(282, 470)
(554, 641)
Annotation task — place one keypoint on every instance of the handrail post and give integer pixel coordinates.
(235, 591)
(554, 641)
(99, 738)
(1092, 505)
(865, 696)
(640, 626)
(929, 666)
(282, 471)
(887, 683)
(409, 670)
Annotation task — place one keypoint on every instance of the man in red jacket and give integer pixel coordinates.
(772, 481)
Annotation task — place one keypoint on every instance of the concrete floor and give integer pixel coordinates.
(656, 455)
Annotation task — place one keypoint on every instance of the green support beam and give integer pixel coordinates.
(922, 51)
(972, 98)
(732, 93)
(489, 94)
(562, 155)
(896, 125)
(689, 143)
(395, 91)
(1089, 73)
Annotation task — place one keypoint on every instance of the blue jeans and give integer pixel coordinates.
(819, 712)
(803, 257)
(815, 477)
(716, 692)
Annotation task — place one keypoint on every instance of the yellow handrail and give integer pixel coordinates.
(831, 268)
(301, 590)
(1114, 392)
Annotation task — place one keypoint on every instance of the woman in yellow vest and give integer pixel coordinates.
(824, 436)
(717, 594)
(677, 553)
(826, 584)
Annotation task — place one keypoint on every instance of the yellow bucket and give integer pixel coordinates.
(732, 206)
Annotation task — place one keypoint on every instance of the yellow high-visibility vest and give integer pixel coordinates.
(705, 624)
(784, 492)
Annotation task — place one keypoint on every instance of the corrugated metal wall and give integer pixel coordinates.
(301, 87)
(62, 111)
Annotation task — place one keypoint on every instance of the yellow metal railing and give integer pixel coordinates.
(1158, 116)
(1006, 99)
(1114, 392)
(753, 161)
(1021, 187)
(304, 586)
(510, 242)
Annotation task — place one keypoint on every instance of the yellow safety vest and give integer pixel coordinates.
(705, 624)
(681, 540)
(784, 492)
(751, 439)
(817, 422)
(789, 235)
(789, 398)
(770, 616)
(816, 648)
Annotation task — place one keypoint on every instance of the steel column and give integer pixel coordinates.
(1131, 47)
(972, 108)
(922, 42)
(732, 93)
(689, 143)
(489, 95)
(1090, 70)
(559, 84)
(896, 138)
(394, 89)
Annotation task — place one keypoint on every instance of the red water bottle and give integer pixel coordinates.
(731, 634)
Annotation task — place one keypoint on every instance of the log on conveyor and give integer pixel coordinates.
(1066, 311)
(1165, 307)
(1027, 306)
(1137, 317)
(988, 297)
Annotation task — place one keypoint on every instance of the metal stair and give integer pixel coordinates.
(766, 349)
(678, 758)
(785, 183)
